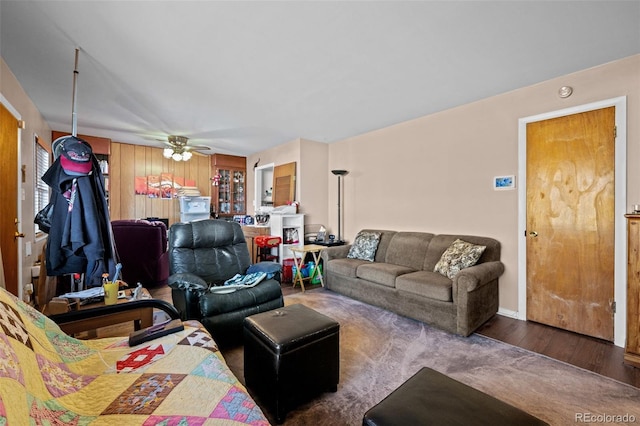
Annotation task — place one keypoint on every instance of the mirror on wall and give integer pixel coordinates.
(284, 184)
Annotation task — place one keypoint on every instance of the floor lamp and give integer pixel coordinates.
(339, 173)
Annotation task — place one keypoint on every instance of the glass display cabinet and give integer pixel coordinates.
(229, 184)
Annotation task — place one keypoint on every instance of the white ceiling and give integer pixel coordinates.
(242, 77)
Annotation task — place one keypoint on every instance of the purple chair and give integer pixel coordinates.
(142, 249)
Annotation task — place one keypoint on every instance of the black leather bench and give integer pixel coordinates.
(290, 355)
(431, 398)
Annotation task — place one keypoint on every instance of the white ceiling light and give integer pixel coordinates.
(565, 91)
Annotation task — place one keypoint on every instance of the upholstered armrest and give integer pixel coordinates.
(186, 290)
(187, 281)
(138, 311)
(336, 252)
(474, 277)
(272, 269)
(219, 303)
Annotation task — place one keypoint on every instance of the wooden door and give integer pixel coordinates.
(284, 184)
(9, 197)
(570, 222)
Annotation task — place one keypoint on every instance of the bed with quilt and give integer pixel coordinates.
(48, 377)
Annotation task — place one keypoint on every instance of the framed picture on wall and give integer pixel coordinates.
(504, 182)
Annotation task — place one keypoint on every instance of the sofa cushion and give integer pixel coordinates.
(385, 239)
(382, 273)
(365, 245)
(408, 249)
(426, 283)
(344, 266)
(439, 243)
(459, 255)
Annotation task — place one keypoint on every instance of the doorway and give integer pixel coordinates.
(263, 188)
(556, 246)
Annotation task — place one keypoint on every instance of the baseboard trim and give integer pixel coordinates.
(509, 313)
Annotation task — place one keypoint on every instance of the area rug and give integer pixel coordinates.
(380, 350)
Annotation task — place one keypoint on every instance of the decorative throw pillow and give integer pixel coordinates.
(365, 246)
(458, 256)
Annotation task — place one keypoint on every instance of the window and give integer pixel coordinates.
(41, 192)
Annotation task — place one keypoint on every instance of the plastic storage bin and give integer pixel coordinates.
(194, 208)
(287, 270)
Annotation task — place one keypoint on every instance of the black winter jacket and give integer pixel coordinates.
(80, 236)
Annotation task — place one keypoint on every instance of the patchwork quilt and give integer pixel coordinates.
(47, 377)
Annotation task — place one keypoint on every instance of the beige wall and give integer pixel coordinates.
(35, 125)
(435, 173)
(313, 181)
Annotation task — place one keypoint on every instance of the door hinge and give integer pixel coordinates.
(615, 132)
(613, 307)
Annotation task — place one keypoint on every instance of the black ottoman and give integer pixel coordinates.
(431, 398)
(290, 355)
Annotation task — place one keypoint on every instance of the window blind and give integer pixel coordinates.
(41, 192)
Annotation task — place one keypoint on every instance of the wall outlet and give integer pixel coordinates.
(35, 271)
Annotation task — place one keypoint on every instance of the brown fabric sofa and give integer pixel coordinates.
(401, 279)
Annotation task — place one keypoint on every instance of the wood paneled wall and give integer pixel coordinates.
(128, 161)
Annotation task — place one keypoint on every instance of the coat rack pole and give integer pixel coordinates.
(74, 118)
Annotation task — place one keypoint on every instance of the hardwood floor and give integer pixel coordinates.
(591, 354)
(586, 352)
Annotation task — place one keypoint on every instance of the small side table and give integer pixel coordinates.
(315, 250)
(141, 318)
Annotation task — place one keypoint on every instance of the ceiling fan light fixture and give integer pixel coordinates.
(177, 151)
(178, 140)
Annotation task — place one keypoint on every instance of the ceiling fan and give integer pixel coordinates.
(178, 149)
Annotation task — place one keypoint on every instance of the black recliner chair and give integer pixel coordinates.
(206, 253)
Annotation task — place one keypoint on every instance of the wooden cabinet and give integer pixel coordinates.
(632, 348)
(250, 232)
(229, 175)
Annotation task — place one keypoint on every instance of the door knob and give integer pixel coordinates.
(17, 234)
(533, 234)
